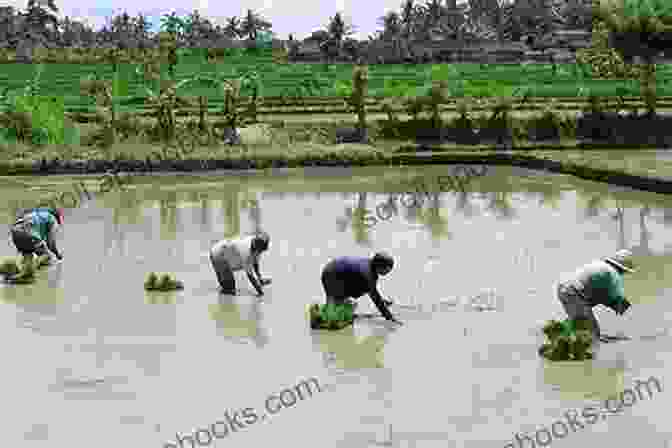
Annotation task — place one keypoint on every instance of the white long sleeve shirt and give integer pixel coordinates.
(238, 252)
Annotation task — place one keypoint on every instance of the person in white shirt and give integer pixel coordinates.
(229, 256)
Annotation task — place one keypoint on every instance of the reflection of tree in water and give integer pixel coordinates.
(253, 212)
(168, 214)
(412, 204)
(465, 205)
(361, 220)
(618, 216)
(499, 203)
(432, 218)
(550, 197)
(644, 235)
(231, 208)
(667, 216)
(342, 349)
(238, 322)
(593, 206)
(129, 208)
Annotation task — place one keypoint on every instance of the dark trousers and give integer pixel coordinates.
(577, 307)
(224, 273)
(335, 289)
(26, 243)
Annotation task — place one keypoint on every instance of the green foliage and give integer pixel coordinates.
(164, 282)
(9, 267)
(601, 60)
(567, 341)
(331, 316)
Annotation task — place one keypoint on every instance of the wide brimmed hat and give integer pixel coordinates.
(622, 260)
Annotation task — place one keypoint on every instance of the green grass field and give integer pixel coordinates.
(280, 79)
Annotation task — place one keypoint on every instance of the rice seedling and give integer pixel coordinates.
(567, 341)
(330, 316)
(163, 282)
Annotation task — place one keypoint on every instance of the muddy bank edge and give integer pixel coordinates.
(512, 158)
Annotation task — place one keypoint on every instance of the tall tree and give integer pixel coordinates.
(232, 28)
(40, 22)
(338, 29)
(392, 24)
(253, 23)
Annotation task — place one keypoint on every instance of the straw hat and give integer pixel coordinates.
(622, 260)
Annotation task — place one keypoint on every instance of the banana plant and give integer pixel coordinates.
(166, 100)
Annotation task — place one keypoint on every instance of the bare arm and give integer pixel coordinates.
(380, 304)
(252, 271)
(51, 242)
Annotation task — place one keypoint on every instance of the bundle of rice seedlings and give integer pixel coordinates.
(9, 267)
(164, 282)
(330, 316)
(567, 341)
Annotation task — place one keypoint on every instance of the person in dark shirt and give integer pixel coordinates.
(352, 277)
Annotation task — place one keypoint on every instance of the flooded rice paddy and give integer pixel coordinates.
(91, 359)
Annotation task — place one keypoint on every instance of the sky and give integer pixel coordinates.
(299, 17)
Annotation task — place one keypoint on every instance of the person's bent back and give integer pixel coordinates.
(352, 277)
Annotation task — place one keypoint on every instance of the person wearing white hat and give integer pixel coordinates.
(597, 283)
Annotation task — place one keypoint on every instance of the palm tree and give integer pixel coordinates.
(392, 25)
(40, 22)
(252, 24)
(338, 29)
(173, 25)
(232, 28)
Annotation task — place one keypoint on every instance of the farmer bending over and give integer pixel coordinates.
(352, 277)
(597, 283)
(33, 232)
(228, 256)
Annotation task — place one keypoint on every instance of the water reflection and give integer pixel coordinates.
(231, 210)
(39, 302)
(168, 214)
(595, 380)
(432, 218)
(253, 207)
(361, 221)
(344, 350)
(239, 322)
(499, 203)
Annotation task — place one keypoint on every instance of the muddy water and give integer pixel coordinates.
(91, 359)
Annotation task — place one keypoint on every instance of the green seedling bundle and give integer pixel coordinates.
(330, 316)
(162, 282)
(22, 271)
(569, 340)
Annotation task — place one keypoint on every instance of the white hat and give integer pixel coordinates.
(622, 260)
